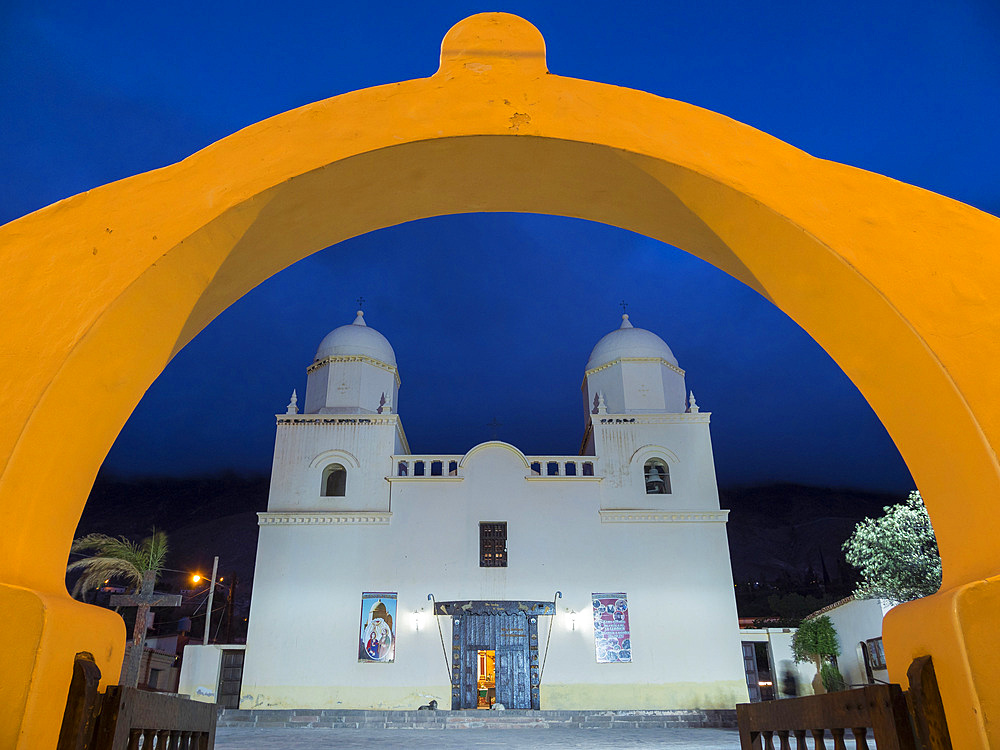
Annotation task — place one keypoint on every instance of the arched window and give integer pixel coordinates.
(334, 481)
(657, 477)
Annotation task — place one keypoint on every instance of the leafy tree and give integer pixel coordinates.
(897, 554)
(815, 641)
(117, 559)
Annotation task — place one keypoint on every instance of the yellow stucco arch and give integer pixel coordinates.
(99, 291)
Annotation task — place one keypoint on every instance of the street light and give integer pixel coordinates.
(228, 614)
(211, 596)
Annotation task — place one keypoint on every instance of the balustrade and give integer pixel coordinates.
(428, 467)
(554, 467)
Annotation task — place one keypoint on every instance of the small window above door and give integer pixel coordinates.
(493, 544)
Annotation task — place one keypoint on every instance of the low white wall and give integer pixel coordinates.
(200, 671)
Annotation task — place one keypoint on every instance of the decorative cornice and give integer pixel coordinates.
(493, 608)
(323, 518)
(658, 418)
(363, 420)
(612, 363)
(333, 419)
(353, 358)
(663, 516)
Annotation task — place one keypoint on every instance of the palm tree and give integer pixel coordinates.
(116, 558)
(139, 565)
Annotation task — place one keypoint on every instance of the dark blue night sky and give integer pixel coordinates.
(495, 315)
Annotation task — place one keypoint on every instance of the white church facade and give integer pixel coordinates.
(387, 579)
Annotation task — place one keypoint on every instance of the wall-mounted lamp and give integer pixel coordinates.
(573, 614)
(418, 619)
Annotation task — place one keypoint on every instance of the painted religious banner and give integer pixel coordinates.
(378, 633)
(611, 636)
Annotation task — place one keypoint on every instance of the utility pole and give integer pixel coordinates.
(229, 607)
(211, 596)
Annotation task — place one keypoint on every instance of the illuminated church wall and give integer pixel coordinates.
(410, 526)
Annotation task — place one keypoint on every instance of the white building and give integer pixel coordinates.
(770, 663)
(858, 623)
(359, 532)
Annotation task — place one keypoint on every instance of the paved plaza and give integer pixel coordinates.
(249, 738)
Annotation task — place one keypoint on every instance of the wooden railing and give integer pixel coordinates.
(125, 718)
(876, 715)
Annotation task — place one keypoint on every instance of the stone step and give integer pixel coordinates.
(473, 719)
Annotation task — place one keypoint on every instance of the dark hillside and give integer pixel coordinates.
(786, 539)
(202, 517)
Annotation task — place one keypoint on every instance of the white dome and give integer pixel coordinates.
(355, 340)
(629, 342)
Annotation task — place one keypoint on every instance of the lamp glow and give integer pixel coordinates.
(418, 620)
(571, 616)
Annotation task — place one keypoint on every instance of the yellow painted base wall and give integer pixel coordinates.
(386, 698)
(584, 697)
(666, 695)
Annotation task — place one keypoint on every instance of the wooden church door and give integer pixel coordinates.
(513, 639)
(513, 683)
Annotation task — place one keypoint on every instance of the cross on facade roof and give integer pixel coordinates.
(494, 427)
(145, 599)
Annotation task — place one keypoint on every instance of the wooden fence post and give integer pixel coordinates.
(926, 706)
(82, 704)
